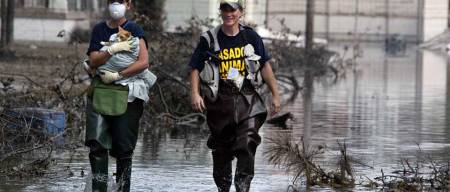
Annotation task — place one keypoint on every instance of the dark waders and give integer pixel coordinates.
(234, 120)
(116, 135)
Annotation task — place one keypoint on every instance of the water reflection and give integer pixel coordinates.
(385, 108)
(382, 110)
(307, 106)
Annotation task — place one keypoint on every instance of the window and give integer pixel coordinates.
(80, 5)
(32, 3)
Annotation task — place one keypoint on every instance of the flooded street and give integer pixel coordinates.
(383, 110)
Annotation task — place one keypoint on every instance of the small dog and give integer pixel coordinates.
(122, 35)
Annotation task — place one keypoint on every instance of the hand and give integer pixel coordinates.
(119, 46)
(109, 77)
(88, 69)
(275, 106)
(197, 102)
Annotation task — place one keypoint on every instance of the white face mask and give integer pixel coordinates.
(117, 10)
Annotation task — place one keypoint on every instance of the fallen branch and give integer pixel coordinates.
(23, 76)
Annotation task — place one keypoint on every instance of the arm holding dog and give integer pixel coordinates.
(141, 63)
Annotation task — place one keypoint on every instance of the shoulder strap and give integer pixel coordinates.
(243, 33)
(210, 40)
(125, 24)
(215, 41)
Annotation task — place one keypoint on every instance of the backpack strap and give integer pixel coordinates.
(211, 41)
(243, 33)
(211, 38)
(215, 41)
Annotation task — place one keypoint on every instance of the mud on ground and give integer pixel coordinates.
(43, 62)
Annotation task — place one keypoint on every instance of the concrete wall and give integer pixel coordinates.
(58, 5)
(255, 12)
(373, 20)
(41, 29)
(179, 12)
(34, 22)
(435, 18)
(27, 29)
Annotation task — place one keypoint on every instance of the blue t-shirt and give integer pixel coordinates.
(231, 52)
(102, 32)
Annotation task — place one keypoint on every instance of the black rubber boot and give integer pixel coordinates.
(244, 171)
(98, 158)
(242, 182)
(245, 149)
(123, 177)
(222, 170)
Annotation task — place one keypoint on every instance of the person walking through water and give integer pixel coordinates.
(110, 132)
(229, 66)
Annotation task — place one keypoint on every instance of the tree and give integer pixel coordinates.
(3, 27)
(7, 20)
(10, 22)
(150, 14)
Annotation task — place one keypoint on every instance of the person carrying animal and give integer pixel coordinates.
(117, 95)
(231, 64)
(122, 60)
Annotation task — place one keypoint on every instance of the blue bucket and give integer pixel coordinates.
(49, 122)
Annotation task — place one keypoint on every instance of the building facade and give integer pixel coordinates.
(179, 12)
(374, 20)
(42, 20)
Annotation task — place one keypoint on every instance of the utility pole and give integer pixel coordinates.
(356, 39)
(386, 32)
(327, 17)
(309, 36)
(308, 81)
(421, 21)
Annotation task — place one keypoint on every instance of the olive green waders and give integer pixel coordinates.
(116, 135)
(234, 120)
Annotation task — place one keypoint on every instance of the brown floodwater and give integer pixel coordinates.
(385, 109)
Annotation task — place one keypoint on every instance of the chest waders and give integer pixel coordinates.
(234, 117)
(113, 135)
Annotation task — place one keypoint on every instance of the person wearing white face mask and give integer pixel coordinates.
(115, 135)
